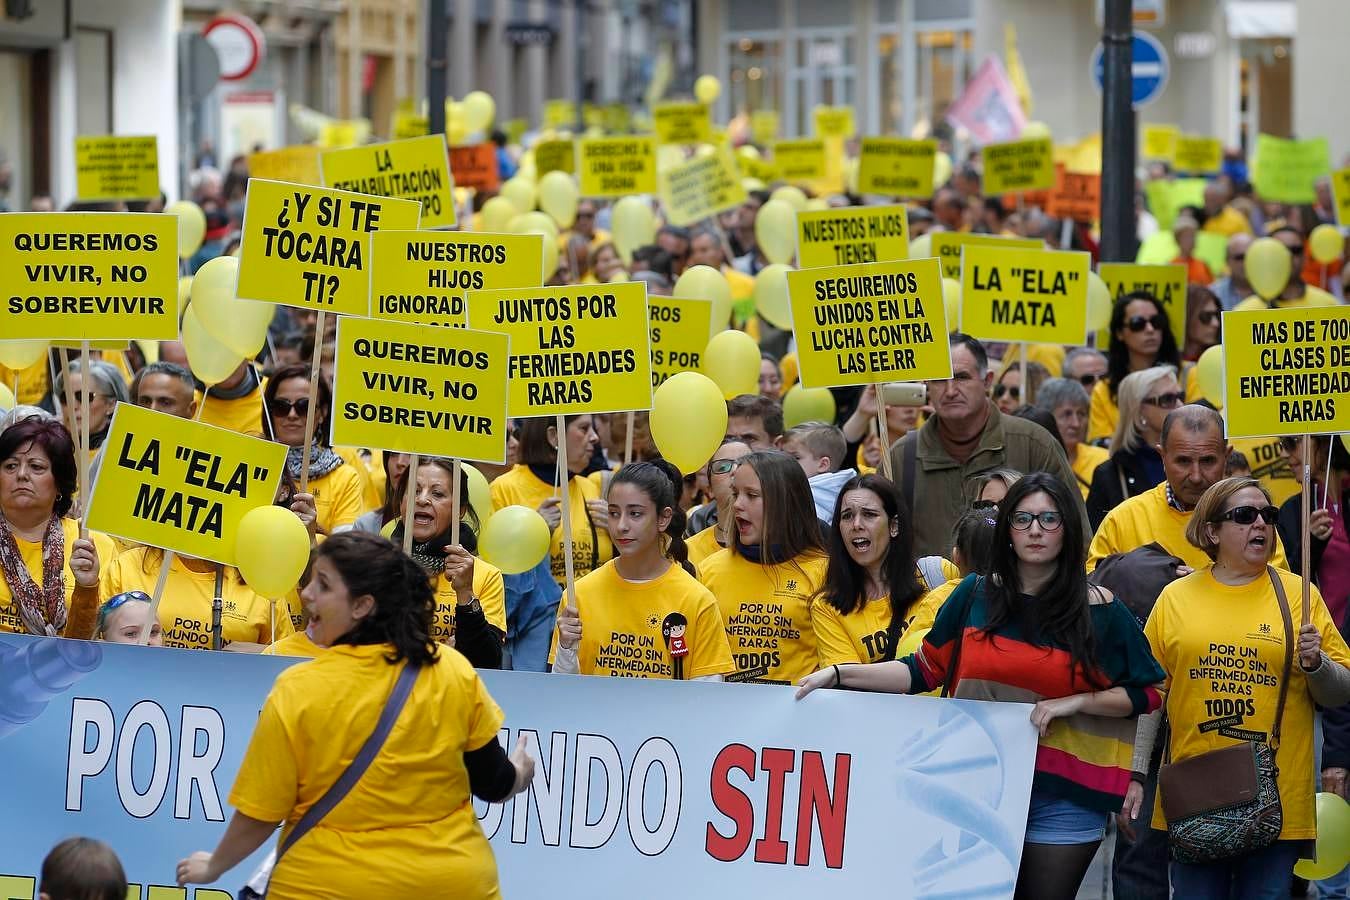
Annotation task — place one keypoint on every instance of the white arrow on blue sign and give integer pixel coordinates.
(1149, 68)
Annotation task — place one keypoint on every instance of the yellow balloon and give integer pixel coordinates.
(456, 133)
(271, 549)
(911, 642)
(1326, 243)
(794, 196)
(19, 355)
(816, 204)
(748, 151)
(942, 168)
(752, 184)
(1098, 303)
(478, 109)
(1268, 266)
(240, 325)
(498, 213)
(703, 151)
(707, 89)
(1252, 302)
(706, 283)
(191, 226)
(209, 359)
(558, 197)
(776, 231)
(732, 362)
(921, 247)
(6, 399)
(184, 294)
(951, 302)
(520, 191)
(538, 223)
(771, 295)
(1333, 839)
(668, 156)
(515, 539)
(480, 496)
(633, 225)
(1035, 130)
(808, 405)
(1208, 374)
(688, 420)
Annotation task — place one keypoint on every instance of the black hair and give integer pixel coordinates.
(82, 868)
(1060, 615)
(534, 448)
(52, 438)
(1118, 355)
(1043, 418)
(656, 260)
(845, 585)
(173, 370)
(961, 339)
(757, 406)
(404, 601)
(973, 536)
(324, 395)
(663, 484)
(468, 539)
(673, 621)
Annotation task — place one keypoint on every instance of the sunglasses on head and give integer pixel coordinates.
(1012, 390)
(282, 408)
(1246, 515)
(1165, 401)
(1139, 323)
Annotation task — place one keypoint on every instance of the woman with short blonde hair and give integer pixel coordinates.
(1135, 466)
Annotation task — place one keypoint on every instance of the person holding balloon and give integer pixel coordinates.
(1141, 337)
(648, 593)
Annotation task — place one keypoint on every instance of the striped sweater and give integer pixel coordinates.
(1082, 758)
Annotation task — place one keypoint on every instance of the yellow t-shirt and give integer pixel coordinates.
(1149, 519)
(1227, 222)
(1085, 462)
(860, 636)
(34, 382)
(31, 553)
(1223, 650)
(622, 625)
(702, 545)
(1269, 465)
(488, 587)
(407, 829)
(297, 644)
(1103, 413)
(767, 612)
(338, 498)
(591, 546)
(185, 608)
(243, 415)
(371, 472)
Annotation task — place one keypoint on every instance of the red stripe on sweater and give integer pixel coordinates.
(1106, 779)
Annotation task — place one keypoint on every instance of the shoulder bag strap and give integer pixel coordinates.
(398, 698)
(961, 638)
(1289, 638)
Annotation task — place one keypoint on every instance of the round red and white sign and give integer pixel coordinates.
(238, 42)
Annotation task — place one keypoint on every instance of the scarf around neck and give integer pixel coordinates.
(43, 609)
(322, 460)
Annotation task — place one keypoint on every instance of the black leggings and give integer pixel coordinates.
(1053, 871)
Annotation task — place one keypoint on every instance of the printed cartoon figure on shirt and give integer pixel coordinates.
(673, 629)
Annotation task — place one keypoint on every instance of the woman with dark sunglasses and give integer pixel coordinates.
(1035, 632)
(1221, 635)
(1202, 323)
(335, 484)
(1134, 466)
(1141, 338)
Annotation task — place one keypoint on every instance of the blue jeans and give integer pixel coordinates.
(1264, 875)
(531, 615)
(1337, 887)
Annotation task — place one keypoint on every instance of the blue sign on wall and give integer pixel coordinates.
(1149, 68)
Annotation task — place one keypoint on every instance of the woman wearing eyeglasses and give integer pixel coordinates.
(122, 618)
(1135, 466)
(1034, 632)
(105, 387)
(1141, 338)
(1203, 312)
(337, 487)
(1222, 634)
(707, 541)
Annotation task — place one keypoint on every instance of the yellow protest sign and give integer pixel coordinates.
(896, 166)
(408, 124)
(1287, 170)
(341, 133)
(1286, 371)
(870, 323)
(947, 245)
(411, 388)
(559, 114)
(1019, 166)
(1160, 142)
(764, 126)
(700, 188)
(1340, 189)
(682, 123)
(1198, 155)
(852, 235)
(515, 130)
(1024, 295)
(613, 167)
(298, 165)
(800, 160)
(308, 246)
(416, 169)
(424, 276)
(680, 330)
(181, 485)
(834, 122)
(112, 167)
(89, 276)
(1165, 283)
(755, 167)
(574, 349)
(554, 156)
(617, 118)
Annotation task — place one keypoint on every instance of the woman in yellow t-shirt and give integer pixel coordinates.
(1068, 402)
(643, 614)
(50, 574)
(707, 541)
(336, 486)
(1141, 338)
(533, 482)
(407, 828)
(1226, 621)
(470, 595)
(248, 621)
(774, 565)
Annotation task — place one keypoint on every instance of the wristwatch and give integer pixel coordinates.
(472, 607)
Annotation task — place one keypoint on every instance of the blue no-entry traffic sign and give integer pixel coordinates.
(1148, 68)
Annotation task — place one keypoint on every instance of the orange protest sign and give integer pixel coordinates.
(475, 166)
(1076, 195)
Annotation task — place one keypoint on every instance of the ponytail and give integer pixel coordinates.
(404, 601)
(663, 484)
